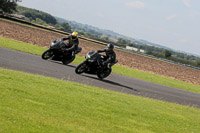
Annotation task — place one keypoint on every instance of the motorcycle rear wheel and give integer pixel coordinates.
(68, 60)
(47, 54)
(104, 73)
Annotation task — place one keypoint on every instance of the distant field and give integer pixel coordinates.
(32, 103)
(27, 25)
(37, 50)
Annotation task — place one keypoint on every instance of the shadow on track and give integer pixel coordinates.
(111, 82)
(58, 62)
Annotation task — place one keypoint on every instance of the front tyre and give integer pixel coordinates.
(47, 54)
(105, 73)
(81, 68)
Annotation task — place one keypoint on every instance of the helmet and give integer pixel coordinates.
(110, 46)
(74, 33)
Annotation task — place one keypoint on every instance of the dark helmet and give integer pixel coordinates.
(110, 46)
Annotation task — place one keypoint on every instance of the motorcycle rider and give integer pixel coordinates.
(110, 55)
(72, 45)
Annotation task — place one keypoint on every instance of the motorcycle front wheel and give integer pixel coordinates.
(47, 54)
(81, 68)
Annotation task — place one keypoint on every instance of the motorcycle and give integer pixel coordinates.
(55, 52)
(93, 65)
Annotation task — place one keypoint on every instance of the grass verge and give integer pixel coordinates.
(37, 50)
(32, 103)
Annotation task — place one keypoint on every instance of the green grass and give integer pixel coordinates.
(21, 46)
(156, 79)
(37, 50)
(32, 103)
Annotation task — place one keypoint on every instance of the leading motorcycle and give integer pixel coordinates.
(55, 52)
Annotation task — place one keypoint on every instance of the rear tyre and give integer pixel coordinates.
(68, 60)
(47, 54)
(105, 73)
(81, 68)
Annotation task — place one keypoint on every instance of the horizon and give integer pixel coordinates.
(175, 50)
(176, 31)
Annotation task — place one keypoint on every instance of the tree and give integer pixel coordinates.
(149, 52)
(66, 27)
(105, 38)
(34, 14)
(168, 53)
(7, 6)
(40, 21)
(198, 63)
(121, 41)
(180, 55)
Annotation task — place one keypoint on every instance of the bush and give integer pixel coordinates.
(7, 6)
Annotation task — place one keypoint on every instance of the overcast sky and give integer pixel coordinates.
(171, 23)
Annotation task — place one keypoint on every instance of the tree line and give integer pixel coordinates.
(162, 53)
(42, 18)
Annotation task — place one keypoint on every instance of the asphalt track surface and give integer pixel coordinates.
(29, 63)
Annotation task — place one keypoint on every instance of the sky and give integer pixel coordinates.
(171, 23)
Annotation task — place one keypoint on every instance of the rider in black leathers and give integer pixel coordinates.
(72, 45)
(110, 55)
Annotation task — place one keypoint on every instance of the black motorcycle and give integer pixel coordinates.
(93, 65)
(55, 52)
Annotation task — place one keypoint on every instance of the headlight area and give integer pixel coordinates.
(52, 44)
